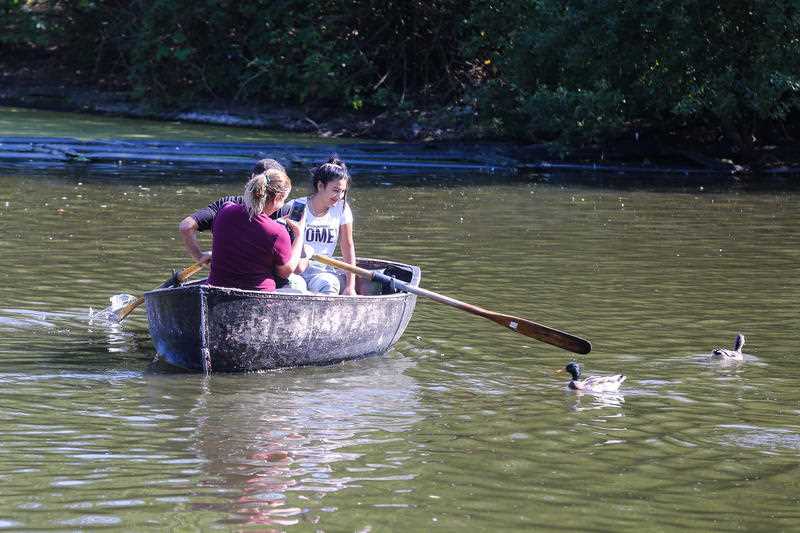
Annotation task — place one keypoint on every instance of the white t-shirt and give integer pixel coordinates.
(322, 233)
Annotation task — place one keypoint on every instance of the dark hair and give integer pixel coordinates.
(332, 170)
(266, 164)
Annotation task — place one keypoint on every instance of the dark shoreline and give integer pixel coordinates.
(449, 127)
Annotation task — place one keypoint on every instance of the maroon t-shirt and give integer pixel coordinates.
(244, 252)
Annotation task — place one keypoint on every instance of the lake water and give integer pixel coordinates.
(464, 425)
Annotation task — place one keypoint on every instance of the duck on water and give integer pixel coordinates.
(592, 383)
(730, 355)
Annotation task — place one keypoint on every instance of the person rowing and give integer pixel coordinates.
(203, 219)
(249, 248)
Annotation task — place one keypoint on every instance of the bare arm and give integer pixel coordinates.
(286, 269)
(302, 265)
(298, 228)
(188, 229)
(349, 255)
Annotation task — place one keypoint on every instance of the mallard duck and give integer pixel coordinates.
(592, 383)
(730, 355)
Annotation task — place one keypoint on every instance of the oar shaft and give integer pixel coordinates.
(441, 298)
(523, 326)
(176, 279)
(341, 265)
(183, 275)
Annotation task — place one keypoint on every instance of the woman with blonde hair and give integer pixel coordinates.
(249, 248)
(203, 219)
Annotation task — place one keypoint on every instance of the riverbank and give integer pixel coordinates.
(27, 88)
(687, 151)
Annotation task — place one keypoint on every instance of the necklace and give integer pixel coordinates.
(314, 211)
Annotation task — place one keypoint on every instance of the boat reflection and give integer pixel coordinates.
(272, 441)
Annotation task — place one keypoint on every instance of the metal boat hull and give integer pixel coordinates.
(214, 329)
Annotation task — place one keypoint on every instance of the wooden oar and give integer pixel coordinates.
(540, 332)
(176, 279)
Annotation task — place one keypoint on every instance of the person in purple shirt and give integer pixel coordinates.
(249, 248)
(203, 219)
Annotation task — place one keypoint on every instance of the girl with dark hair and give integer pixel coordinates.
(328, 219)
(248, 247)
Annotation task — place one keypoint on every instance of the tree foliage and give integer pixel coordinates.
(568, 70)
(583, 69)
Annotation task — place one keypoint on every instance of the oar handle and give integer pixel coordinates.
(377, 276)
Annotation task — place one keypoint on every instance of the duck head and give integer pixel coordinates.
(574, 370)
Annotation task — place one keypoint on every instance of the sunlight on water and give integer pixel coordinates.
(37, 123)
(464, 425)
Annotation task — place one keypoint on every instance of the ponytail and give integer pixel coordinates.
(263, 188)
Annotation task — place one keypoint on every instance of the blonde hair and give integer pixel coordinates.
(263, 188)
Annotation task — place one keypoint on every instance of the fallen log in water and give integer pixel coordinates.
(373, 156)
(624, 169)
(385, 158)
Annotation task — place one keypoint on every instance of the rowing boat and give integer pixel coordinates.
(201, 327)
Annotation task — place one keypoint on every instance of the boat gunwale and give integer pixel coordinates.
(416, 275)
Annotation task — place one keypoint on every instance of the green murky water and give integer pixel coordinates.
(463, 426)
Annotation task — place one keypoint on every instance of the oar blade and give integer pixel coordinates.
(561, 339)
(123, 304)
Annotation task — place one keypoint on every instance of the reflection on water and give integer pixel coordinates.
(760, 438)
(463, 425)
(234, 445)
(296, 435)
(37, 123)
(581, 401)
